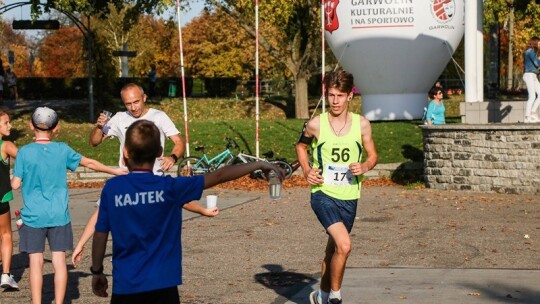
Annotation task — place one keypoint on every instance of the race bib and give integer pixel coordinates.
(337, 175)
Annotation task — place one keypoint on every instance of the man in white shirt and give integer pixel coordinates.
(135, 101)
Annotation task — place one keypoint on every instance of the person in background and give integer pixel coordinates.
(40, 168)
(147, 258)
(340, 138)
(11, 82)
(152, 79)
(435, 113)
(531, 63)
(9, 152)
(2, 88)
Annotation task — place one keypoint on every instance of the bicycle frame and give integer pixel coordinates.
(217, 160)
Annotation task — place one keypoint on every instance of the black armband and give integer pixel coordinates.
(303, 138)
(174, 157)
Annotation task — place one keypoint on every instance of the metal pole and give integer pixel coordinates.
(184, 101)
(90, 72)
(323, 63)
(257, 78)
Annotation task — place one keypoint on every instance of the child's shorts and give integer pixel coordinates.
(4, 208)
(330, 210)
(32, 240)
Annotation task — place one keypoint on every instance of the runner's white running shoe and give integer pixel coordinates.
(7, 281)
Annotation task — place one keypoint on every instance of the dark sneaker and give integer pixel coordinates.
(335, 301)
(314, 297)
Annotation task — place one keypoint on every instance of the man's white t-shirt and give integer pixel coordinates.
(118, 124)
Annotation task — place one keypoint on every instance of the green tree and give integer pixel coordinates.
(289, 30)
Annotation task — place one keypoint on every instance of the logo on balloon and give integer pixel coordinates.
(331, 22)
(443, 10)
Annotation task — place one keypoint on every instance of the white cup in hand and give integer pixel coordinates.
(211, 201)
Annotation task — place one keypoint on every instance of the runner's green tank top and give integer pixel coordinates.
(333, 154)
(6, 194)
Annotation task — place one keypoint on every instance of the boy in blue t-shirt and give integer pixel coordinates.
(143, 213)
(42, 166)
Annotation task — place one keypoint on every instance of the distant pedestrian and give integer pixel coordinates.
(152, 79)
(40, 168)
(142, 211)
(1, 88)
(435, 112)
(11, 81)
(531, 63)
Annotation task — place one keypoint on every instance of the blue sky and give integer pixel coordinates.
(23, 13)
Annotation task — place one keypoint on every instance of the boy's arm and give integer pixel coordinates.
(369, 147)
(86, 235)
(196, 208)
(16, 183)
(99, 281)
(232, 172)
(97, 166)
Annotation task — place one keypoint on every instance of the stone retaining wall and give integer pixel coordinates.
(502, 158)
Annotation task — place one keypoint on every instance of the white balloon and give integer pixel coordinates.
(396, 49)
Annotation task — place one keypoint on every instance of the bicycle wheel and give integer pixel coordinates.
(191, 166)
(283, 165)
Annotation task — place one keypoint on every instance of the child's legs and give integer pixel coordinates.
(32, 241)
(36, 276)
(60, 276)
(60, 240)
(6, 248)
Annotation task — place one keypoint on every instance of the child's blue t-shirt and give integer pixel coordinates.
(42, 169)
(143, 212)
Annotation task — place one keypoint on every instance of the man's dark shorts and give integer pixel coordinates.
(330, 210)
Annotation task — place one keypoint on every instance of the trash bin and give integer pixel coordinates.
(172, 88)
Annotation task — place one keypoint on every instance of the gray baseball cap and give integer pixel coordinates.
(44, 119)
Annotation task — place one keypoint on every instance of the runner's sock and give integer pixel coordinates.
(335, 294)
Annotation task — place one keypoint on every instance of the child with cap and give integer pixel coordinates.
(147, 258)
(42, 166)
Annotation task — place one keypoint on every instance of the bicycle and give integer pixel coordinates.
(201, 165)
(246, 158)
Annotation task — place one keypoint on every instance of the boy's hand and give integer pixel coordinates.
(210, 212)
(267, 167)
(76, 256)
(100, 285)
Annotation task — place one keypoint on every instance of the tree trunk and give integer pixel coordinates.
(301, 97)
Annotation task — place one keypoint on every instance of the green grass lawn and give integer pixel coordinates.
(211, 121)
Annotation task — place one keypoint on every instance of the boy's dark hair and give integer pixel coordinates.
(533, 43)
(143, 142)
(341, 80)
